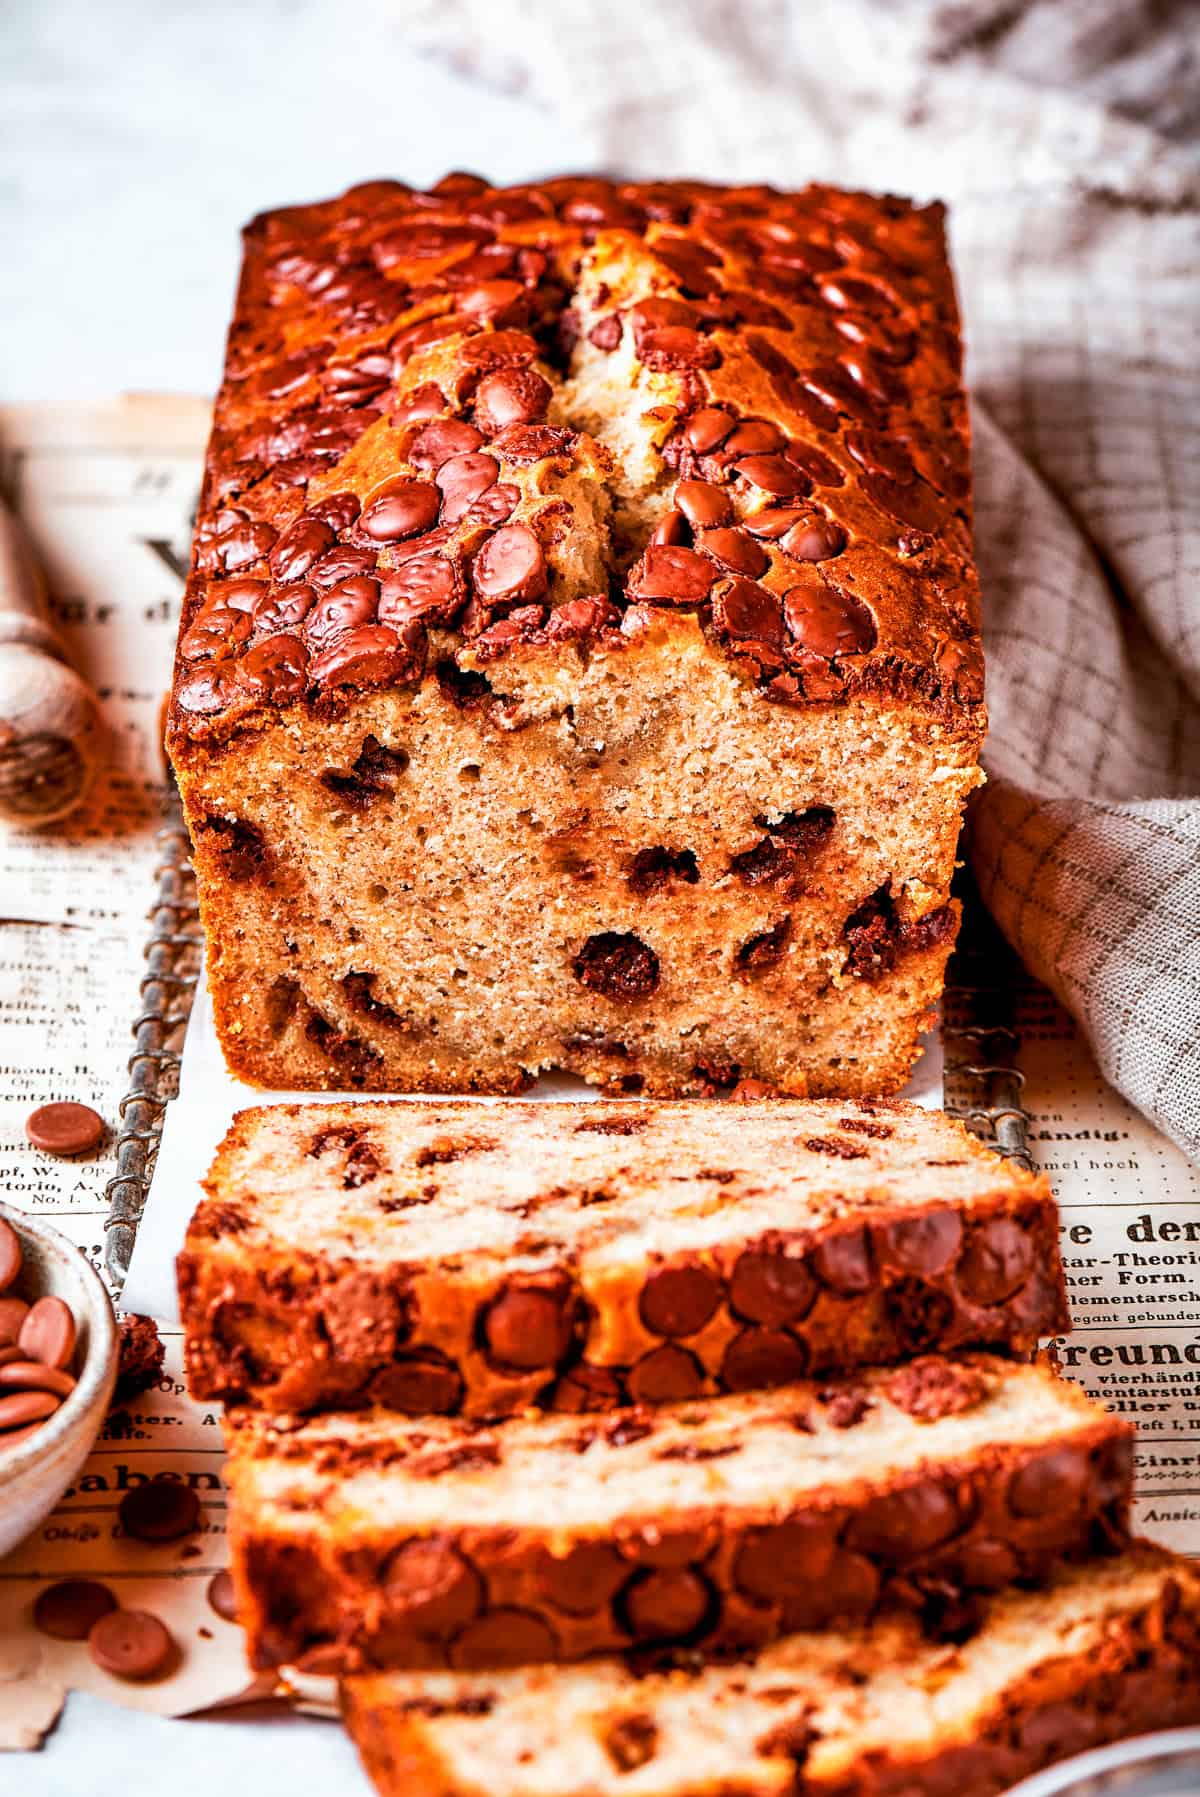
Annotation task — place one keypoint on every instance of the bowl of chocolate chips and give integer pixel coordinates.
(58, 1363)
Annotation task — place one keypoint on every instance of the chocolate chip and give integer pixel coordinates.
(930, 1388)
(275, 670)
(418, 1384)
(21, 1408)
(371, 655)
(403, 508)
(222, 1598)
(679, 1300)
(706, 429)
(525, 444)
(758, 1358)
(665, 1604)
(69, 1610)
(735, 551)
(631, 1741)
(349, 603)
(583, 1580)
(510, 566)
(11, 1257)
(430, 1587)
(30, 1375)
(925, 1244)
(48, 1332)
(13, 1312)
(814, 539)
(1053, 1483)
(207, 690)
(618, 965)
(902, 1524)
(653, 869)
(439, 441)
(605, 334)
(702, 504)
(464, 479)
(672, 528)
(828, 622)
(589, 1388)
(774, 474)
(847, 1590)
(672, 575)
(529, 1326)
(511, 396)
(62, 1128)
(665, 1375)
(784, 1559)
(302, 544)
(997, 1259)
(504, 1637)
(773, 521)
(743, 611)
(770, 1285)
(160, 1510)
(362, 1315)
(842, 1261)
(130, 1644)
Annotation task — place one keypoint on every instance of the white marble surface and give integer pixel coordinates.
(136, 136)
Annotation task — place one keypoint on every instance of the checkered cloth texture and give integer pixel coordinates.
(1065, 138)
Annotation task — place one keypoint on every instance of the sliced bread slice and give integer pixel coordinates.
(476, 1258)
(367, 1539)
(1106, 1649)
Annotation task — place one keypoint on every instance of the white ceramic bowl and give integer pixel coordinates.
(35, 1473)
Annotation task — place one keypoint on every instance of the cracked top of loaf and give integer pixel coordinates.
(545, 421)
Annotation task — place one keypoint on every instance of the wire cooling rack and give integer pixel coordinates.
(983, 1085)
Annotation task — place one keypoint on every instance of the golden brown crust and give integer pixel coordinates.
(855, 1280)
(826, 318)
(337, 1564)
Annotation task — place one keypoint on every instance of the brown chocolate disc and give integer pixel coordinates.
(998, 1257)
(69, 1610)
(762, 1357)
(529, 1326)
(418, 1384)
(665, 1604)
(130, 1644)
(843, 1262)
(785, 1559)
(30, 1375)
(925, 1244)
(222, 1598)
(48, 1332)
(1052, 1483)
(666, 1375)
(679, 1300)
(430, 1587)
(10, 1255)
(846, 1591)
(22, 1407)
(584, 1579)
(899, 1525)
(160, 1510)
(64, 1128)
(13, 1312)
(502, 1638)
(771, 1286)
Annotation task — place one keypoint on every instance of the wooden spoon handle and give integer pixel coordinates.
(52, 737)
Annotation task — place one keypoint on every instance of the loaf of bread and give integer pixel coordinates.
(364, 1539)
(1106, 1650)
(475, 1257)
(580, 660)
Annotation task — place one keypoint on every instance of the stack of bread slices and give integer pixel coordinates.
(671, 1447)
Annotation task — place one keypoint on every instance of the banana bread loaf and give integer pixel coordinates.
(580, 660)
(363, 1539)
(1105, 1650)
(476, 1257)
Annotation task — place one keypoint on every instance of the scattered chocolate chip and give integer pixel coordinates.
(160, 1510)
(842, 1261)
(403, 508)
(69, 1610)
(925, 1244)
(431, 1587)
(504, 1637)
(666, 1375)
(997, 1259)
(13, 1312)
(672, 575)
(665, 1603)
(584, 1579)
(421, 1383)
(222, 1599)
(828, 622)
(63, 1128)
(702, 504)
(930, 1388)
(510, 396)
(130, 1644)
(903, 1524)
(1054, 1482)
(631, 1741)
(785, 1558)
(510, 566)
(652, 869)
(529, 1325)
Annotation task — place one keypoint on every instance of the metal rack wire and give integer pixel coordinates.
(983, 1084)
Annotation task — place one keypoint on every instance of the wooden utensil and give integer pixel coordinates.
(52, 736)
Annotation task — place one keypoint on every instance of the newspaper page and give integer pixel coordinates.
(107, 494)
